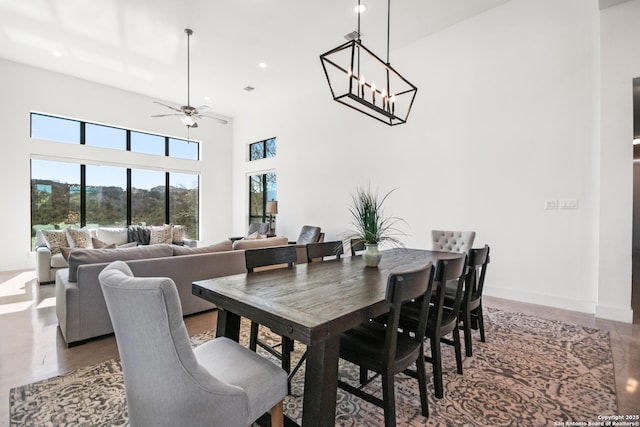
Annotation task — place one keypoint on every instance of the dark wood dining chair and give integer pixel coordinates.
(318, 251)
(277, 256)
(357, 246)
(442, 320)
(382, 348)
(471, 306)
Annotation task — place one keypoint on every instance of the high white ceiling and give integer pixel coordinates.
(140, 45)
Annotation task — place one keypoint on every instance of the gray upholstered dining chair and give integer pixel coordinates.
(167, 383)
(452, 241)
(261, 227)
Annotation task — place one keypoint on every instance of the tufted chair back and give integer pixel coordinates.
(452, 241)
(260, 227)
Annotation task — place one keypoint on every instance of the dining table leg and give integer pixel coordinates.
(228, 325)
(321, 383)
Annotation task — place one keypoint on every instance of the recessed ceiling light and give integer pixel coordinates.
(262, 65)
(56, 53)
(360, 8)
(207, 98)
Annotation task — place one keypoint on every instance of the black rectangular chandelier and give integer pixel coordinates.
(360, 80)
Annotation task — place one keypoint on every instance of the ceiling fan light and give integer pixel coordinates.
(188, 121)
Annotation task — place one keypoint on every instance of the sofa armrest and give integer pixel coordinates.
(43, 264)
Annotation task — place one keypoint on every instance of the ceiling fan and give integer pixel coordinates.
(188, 114)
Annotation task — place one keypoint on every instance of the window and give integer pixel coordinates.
(262, 188)
(183, 201)
(56, 201)
(262, 150)
(106, 196)
(55, 129)
(148, 197)
(70, 131)
(147, 143)
(105, 136)
(182, 149)
(92, 195)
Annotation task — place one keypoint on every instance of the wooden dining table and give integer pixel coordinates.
(312, 303)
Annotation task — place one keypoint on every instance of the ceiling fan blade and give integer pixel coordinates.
(219, 120)
(203, 108)
(168, 106)
(165, 115)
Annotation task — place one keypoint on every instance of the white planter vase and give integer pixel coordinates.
(371, 255)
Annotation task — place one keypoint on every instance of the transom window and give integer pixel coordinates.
(60, 129)
(262, 149)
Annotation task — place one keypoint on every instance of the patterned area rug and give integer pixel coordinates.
(530, 372)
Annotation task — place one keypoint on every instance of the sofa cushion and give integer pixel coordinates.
(112, 235)
(55, 239)
(223, 246)
(59, 260)
(81, 256)
(79, 238)
(260, 243)
(161, 234)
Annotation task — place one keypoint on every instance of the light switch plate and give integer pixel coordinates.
(568, 203)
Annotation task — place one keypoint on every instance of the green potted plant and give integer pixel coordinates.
(371, 227)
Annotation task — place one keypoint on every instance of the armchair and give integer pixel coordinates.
(167, 383)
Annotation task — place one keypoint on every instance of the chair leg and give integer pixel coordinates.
(466, 328)
(388, 397)
(253, 337)
(287, 347)
(422, 385)
(364, 375)
(277, 415)
(456, 345)
(481, 323)
(436, 361)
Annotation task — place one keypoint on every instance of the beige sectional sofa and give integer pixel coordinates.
(80, 306)
(49, 259)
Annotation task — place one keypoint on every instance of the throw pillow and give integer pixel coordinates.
(55, 239)
(179, 232)
(161, 234)
(115, 235)
(97, 243)
(79, 238)
(65, 253)
(139, 234)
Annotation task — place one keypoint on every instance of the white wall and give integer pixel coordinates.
(506, 117)
(25, 89)
(620, 37)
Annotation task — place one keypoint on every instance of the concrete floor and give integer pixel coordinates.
(32, 347)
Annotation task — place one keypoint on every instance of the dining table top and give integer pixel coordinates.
(312, 301)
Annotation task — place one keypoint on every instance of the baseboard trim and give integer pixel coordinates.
(618, 314)
(541, 299)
